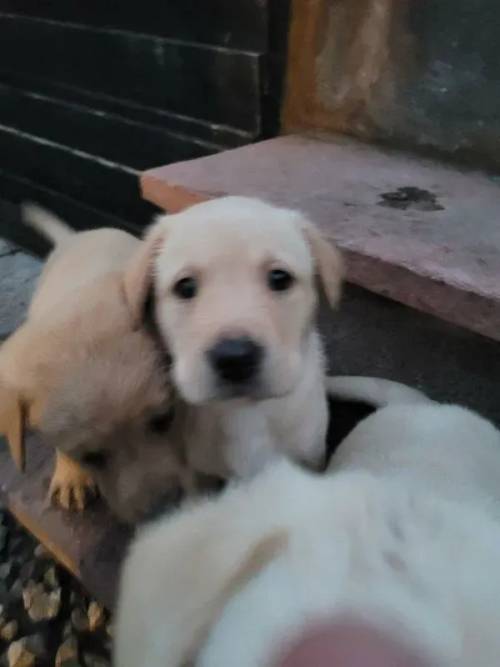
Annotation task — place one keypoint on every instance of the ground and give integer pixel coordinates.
(45, 617)
(17, 274)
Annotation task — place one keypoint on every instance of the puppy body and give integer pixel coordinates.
(84, 374)
(403, 534)
(235, 287)
(440, 450)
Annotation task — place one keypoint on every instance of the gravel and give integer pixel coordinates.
(46, 619)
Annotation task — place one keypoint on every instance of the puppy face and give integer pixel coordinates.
(235, 296)
(112, 413)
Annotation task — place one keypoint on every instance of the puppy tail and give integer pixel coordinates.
(374, 391)
(48, 224)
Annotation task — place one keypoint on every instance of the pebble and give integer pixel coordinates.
(41, 552)
(50, 577)
(96, 616)
(5, 570)
(79, 620)
(92, 660)
(67, 651)
(67, 630)
(19, 655)
(3, 537)
(9, 630)
(27, 571)
(37, 644)
(16, 590)
(40, 604)
(17, 544)
(75, 599)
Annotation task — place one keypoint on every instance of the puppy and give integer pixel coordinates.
(83, 372)
(393, 554)
(235, 291)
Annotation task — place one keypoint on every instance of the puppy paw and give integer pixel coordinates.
(71, 486)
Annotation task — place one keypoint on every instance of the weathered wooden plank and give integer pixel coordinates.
(239, 25)
(214, 84)
(94, 131)
(99, 183)
(89, 545)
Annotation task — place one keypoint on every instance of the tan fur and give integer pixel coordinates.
(12, 423)
(138, 279)
(84, 375)
(70, 483)
(229, 245)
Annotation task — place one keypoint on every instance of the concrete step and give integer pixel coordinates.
(420, 232)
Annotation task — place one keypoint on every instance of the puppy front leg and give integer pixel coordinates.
(71, 486)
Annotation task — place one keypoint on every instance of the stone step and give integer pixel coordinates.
(412, 229)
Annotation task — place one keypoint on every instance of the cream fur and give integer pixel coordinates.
(403, 532)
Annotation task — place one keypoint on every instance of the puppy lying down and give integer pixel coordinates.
(86, 375)
(391, 558)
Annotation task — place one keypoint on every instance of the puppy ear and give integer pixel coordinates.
(138, 277)
(13, 415)
(328, 260)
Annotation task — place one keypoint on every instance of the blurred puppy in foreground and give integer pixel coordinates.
(391, 558)
(86, 375)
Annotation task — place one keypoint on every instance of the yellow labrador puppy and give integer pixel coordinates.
(235, 293)
(83, 372)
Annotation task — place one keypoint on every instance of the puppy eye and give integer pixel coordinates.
(97, 459)
(186, 288)
(279, 280)
(161, 423)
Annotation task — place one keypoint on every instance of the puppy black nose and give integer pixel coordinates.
(236, 359)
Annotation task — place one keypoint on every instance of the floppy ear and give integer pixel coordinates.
(328, 260)
(138, 277)
(12, 423)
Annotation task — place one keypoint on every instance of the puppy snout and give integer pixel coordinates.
(236, 360)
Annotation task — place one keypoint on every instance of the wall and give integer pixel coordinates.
(421, 74)
(92, 93)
